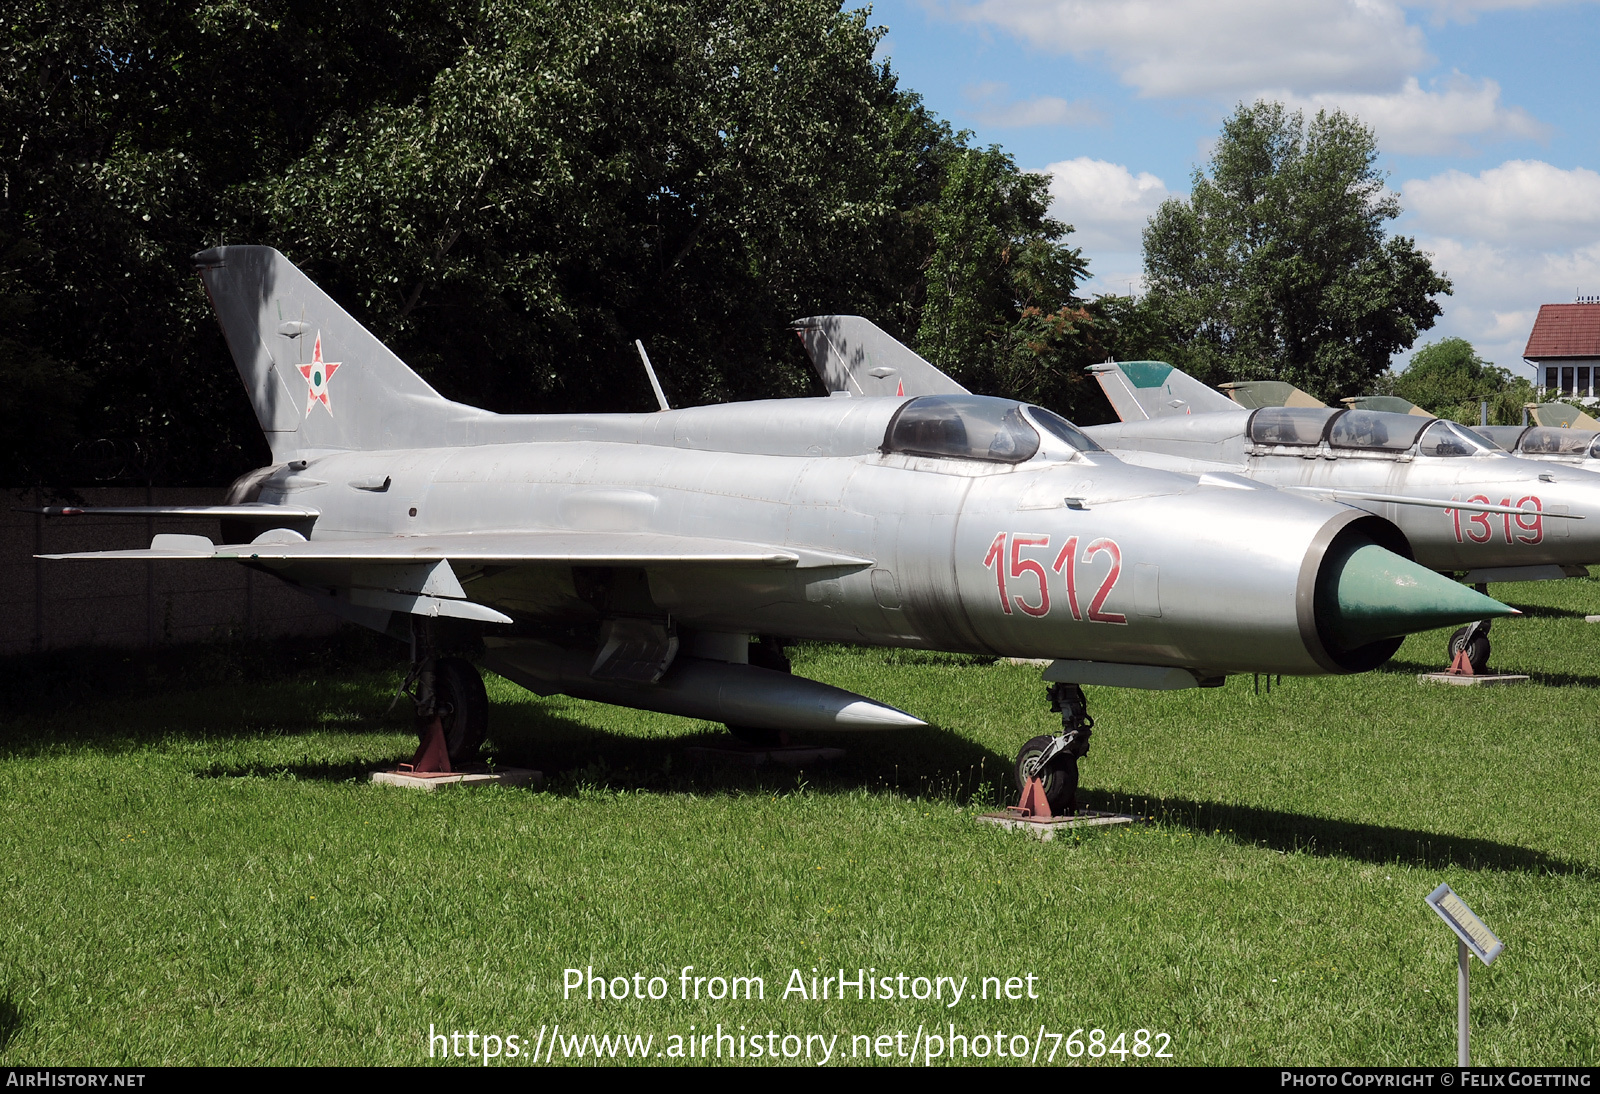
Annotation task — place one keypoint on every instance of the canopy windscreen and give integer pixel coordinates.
(1375, 429)
(1544, 440)
(1289, 424)
(1444, 438)
(1063, 430)
(968, 427)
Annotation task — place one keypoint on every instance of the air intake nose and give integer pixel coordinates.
(1370, 594)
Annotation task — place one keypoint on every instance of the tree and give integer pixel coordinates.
(1278, 266)
(1449, 379)
(126, 129)
(1002, 313)
(508, 192)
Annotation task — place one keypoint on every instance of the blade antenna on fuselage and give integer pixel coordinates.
(655, 385)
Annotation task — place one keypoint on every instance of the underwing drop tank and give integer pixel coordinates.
(717, 691)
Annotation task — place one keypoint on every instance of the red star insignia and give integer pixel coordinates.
(317, 375)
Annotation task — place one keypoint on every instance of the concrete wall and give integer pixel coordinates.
(50, 605)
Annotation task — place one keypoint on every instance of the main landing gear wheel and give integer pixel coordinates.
(1475, 641)
(462, 703)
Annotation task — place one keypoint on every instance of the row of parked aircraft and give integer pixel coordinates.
(661, 561)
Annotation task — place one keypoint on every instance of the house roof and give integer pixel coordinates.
(1565, 330)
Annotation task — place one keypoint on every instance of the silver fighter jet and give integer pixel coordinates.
(1463, 503)
(660, 561)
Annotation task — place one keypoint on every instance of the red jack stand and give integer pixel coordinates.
(1032, 814)
(1460, 665)
(432, 757)
(1034, 805)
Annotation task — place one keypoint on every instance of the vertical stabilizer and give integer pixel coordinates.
(856, 355)
(1253, 394)
(318, 380)
(1139, 390)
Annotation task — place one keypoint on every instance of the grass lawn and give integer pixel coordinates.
(197, 871)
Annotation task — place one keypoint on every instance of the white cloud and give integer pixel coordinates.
(991, 107)
(1417, 122)
(1107, 204)
(1465, 11)
(1528, 204)
(1510, 238)
(1498, 290)
(1168, 48)
(1359, 55)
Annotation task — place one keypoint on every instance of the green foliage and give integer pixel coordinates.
(1002, 313)
(39, 396)
(584, 174)
(509, 193)
(1449, 379)
(125, 131)
(1278, 266)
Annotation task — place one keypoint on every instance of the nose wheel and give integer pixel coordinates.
(1470, 644)
(1053, 760)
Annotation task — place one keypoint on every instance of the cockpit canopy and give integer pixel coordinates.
(977, 427)
(1290, 424)
(1369, 430)
(1375, 429)
(1543, 440)
(1444, 438)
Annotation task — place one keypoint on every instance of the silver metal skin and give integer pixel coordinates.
(631, 557)
(841, 543)
(1441, 463)
(1507, 521)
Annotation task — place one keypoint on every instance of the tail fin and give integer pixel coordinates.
(1561, 415)
(856, 355)
(1154, 389)
(1252, 394)
(318, 380)
(1387, 404)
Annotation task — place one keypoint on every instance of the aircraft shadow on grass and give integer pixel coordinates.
(127, 716)
(11, 1019)
(1537, 676)
(1331, 838)
(575, 756)
(291, 709)
(1541, 611)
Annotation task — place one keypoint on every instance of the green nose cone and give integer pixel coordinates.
(1375, 594)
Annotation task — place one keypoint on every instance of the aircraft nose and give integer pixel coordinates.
(1372, 594)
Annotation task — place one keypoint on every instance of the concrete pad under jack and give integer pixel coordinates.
(756, 755)
(1047, 829)
(1484, 680)
(500, 776)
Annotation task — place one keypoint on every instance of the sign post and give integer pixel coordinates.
(1471, 934)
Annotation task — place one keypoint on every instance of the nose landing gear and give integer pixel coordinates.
(1469, 649)
(1053, 760)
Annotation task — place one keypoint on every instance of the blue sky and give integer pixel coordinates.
(1486, 113)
